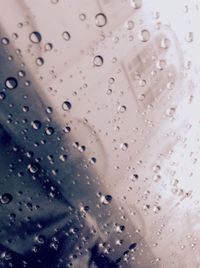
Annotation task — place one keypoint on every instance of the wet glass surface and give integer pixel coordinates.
(99, 133)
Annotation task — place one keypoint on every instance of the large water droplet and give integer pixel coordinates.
(66, 106)
(35, 37)
(98, 61)
(6, 198)
(100, 20)
(11, 83)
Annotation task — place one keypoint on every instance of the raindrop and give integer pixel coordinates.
(165, 43)
(124, 146)
(48, 47)
(161, 64)
(63, 157)
(105, 200)
(122, 108)
(66, 36)
(130, 25)
(6, 198)
(40, 239)
(33, 168)
(144, 35)
(141, 97)
(98, 61)
(100, 20)
(170, 112)
(11, 83)
(21, 73)
(2, 96)
(54, 1)
(156, 168)
(5, 41)
(136, 3)
(49, 131)
(66, 106)
(189, 37)
(36, 124)
(35, 37)
(82, 16)
(39, 61)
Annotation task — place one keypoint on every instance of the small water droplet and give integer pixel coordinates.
(136, 3)
(170, 112)
(48, 47)
(122, 108)
(100, 20)
(66, 106)
(33, 168)
(144, 35)
(2, 96)
(165, 43)
(36, 124)
(130, 25)
(49, 131)
(35, 37)
(82, 17)
(124, 146)
(39, 61)
(98, 61)
(66, 36)
(189, 37)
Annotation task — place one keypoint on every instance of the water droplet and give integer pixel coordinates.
(66, 106)
(189, 37)
(6, 198)
(144, 35)
(130, 25)
(54, 1)
(5, 41)
(33, 168)
(63, 157)
(122, 108)
(35, 37)
(161, 64)
(156, 209)
(66, 36)
(21, 73)
(100, 20)
(49, 131)
(40, 239)
(36, 124)
(11, 83)
(165, 43)
(170, 112)
(82, 16)
(156, 168)
(141, 97)
(105, 200)
(2, 96)
(39, 61)
(124, 146)
(48, 47)
(98, 61)
(136, 3)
